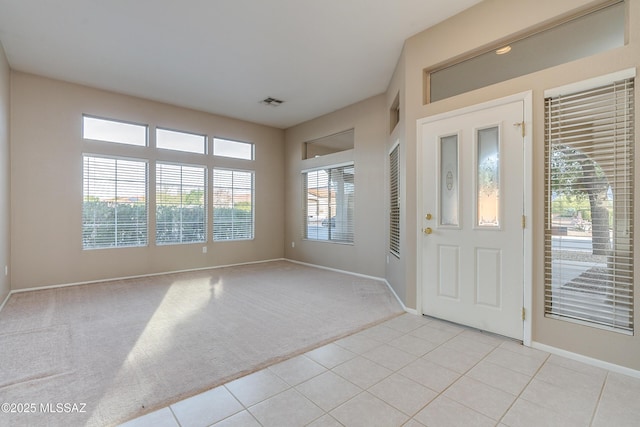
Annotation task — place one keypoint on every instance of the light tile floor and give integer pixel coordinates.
(415, 371)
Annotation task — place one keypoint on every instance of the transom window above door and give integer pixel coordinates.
(585, 35)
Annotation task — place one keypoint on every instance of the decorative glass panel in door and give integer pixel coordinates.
(488, 177)
(449, 202)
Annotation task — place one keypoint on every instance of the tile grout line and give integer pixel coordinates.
(245, 407)
(441, 393)
(546, 359)
(381, 343)
(175, 417)
(461, 376)
(327, 369)
(291, 387)
(474, 365)
(294, 387)
(595, 410)
(366, 390)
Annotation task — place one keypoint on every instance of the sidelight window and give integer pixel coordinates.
(589, 186)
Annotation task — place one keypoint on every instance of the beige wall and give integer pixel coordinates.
(370, 121)
(5, 175)
(481, 26)
(46, 155)
(396, 273)
(46, 185)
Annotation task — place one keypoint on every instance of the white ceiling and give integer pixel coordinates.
(221, 56)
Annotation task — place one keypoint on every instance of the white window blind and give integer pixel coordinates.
(589, 185)
(233, 195)
(180, 203)
(329, 203)
(394, 202)
(114, 210)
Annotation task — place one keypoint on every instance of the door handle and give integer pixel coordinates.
(427, 230)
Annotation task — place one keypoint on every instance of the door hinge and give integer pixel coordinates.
(521, 126)
(524, 221)
(523, 317)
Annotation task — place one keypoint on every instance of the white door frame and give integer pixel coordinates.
(527, 98)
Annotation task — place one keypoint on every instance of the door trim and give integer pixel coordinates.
(527, 99)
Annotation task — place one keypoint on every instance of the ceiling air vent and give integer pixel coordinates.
(273, 102)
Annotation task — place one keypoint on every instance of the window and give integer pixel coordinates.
(595, 32)
(394, 202)
(589, 186)
(114, 131)
(488, 177)
(232, 204)
(180, 203)
(336, 143)
(329, 206)
(233, 149)
(114, 210)
(115, 189)
(448, 190)
(181, 141)
(394, 113)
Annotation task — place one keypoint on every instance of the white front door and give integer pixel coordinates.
(473, 201)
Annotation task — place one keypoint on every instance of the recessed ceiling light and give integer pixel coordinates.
(503, 50)
(273, 102)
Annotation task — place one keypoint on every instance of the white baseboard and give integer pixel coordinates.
(588, 360)
(322, 267)
(549, 349)
(411, 310)
(5, 300)
(405, 308)
(112, 279)
(89, 282)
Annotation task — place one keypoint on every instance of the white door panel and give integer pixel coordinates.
(473, 198)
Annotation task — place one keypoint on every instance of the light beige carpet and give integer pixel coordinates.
(124, 348)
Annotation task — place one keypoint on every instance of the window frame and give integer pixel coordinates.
(395, 208)
(562, 301)
(146, 201)
(243, 225)
(205, 205)
(330, 145)
(204, 141)
(497, 61)
(213, 203)
(118, 121)
(234, 141)
(328, 222)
